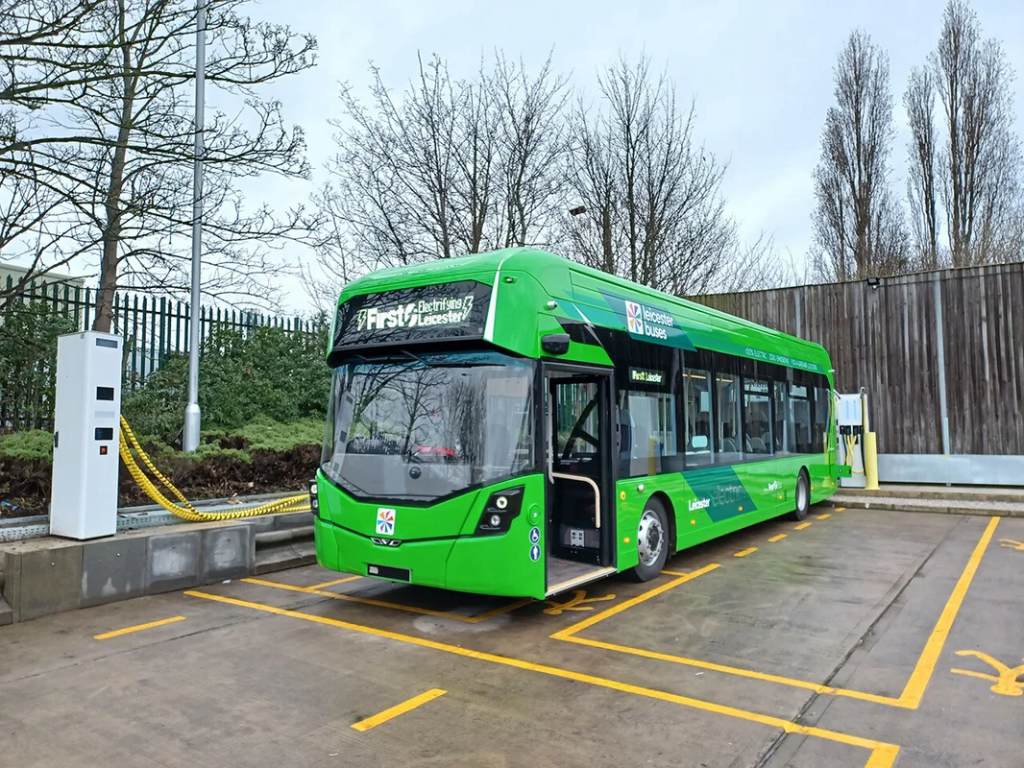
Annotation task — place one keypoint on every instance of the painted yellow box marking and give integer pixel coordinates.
(397, 606)
(912, 693)
(399, 709)
(335, 581)
(138, 628)
(882, 755)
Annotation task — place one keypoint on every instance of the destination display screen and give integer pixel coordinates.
(646, 376)
(423, 313)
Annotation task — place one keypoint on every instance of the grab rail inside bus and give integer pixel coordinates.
(581, 479)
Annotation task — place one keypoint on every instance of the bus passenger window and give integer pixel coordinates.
(783, 428)
(800, 417)
(822, 416)
(650, 424)
(729, 447)
(697, 407)
(757, 427)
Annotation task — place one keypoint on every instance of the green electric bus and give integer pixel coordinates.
(514, 423)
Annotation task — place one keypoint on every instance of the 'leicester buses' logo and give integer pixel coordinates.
(634, 318)
(385, 521)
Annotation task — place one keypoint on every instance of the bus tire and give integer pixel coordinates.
(803, 496)
(651, 541)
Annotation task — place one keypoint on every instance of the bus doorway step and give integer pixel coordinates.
(566, 574)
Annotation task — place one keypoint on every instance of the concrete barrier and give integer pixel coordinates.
(49, 575)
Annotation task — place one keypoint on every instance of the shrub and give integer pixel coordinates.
(30, 445)
(28, 353)
(267, 373)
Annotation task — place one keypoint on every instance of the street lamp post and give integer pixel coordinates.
(190, 440)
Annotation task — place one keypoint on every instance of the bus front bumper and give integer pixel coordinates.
(481, 564)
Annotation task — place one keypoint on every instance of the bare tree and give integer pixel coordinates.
(922, 196)
(476, 148)
(451, 167)
(858, 230)
(121, 96)
(981, 163)
(655, 211)
(38, 228)
(531, 148)
(759, 265)
(335, 263)
(396, 171)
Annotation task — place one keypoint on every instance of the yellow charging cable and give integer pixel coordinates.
(185, 510)
(851, 443)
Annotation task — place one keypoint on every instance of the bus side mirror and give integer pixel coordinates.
(555, 343)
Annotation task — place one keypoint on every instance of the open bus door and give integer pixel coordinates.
(580, 485)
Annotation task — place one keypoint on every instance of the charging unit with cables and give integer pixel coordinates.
(86, 430)
(850, 434)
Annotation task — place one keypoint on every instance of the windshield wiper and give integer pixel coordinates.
(416, 357)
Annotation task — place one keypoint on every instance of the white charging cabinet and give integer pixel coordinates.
(87, 412)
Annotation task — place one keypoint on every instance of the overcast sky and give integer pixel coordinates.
(761, 72)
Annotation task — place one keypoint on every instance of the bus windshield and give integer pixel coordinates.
(416, 427)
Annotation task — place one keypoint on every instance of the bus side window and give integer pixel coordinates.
(697, 407)
(783, 419)
(822, 414)
(729, 445)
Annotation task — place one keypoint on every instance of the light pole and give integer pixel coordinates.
(190, 439)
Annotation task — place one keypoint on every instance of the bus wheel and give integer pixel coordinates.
(651, 541)
(803, 495)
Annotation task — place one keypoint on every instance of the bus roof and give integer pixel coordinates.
(525, 280)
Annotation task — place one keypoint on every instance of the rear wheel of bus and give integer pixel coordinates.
(803, 495)
(652, 542)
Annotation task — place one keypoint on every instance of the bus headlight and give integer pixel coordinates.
(314, 502)
(500, 510)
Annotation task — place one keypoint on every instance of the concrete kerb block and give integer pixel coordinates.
(286, 520)
(228, 553)
(45, 581)
(173, 561)
(114, 569)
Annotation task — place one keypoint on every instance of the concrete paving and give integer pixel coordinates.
(866, 639)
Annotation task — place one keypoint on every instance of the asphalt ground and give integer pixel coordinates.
(861, 639)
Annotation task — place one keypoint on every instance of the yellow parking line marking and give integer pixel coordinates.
(711, 666)
(397, 606)
(780, 537)
(826, 516)
(912, 693)
(802, 526)
(840, 509)
(676, 573)
(336, 581)
(626, 604)
(746, 552)
(138, 628)
(399, 709)
(882, 754)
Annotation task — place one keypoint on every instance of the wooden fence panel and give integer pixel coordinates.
(886, 339)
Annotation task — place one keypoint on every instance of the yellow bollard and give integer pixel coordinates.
(870, 462)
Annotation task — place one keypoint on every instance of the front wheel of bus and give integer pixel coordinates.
(651, 541)
(803, 496)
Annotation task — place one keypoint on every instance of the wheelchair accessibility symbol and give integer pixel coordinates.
(534, 535)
